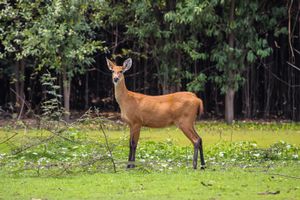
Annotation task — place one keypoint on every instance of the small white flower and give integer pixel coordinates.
(212, 158)
(164, 165)
(221, 154)
(41, 159)
(256, 154)
(84, 155)
(288, 146)
(295, 156)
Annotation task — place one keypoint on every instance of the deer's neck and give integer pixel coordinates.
(121, 92)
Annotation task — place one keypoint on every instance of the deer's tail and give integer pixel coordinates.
(201, 109)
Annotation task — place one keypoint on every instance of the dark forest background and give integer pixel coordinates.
(241, 57)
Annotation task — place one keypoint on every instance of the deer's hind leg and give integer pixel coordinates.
(192, 135)
(200, 149)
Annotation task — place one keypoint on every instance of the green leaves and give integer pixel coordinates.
(51, 106)
(251, 57)
(58, 34)
(198, 82)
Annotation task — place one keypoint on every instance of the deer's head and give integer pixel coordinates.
(118, 71)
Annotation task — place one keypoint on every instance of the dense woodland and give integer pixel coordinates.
(240, 56)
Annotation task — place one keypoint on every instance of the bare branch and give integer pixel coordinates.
(290, 33)
(292, 65)
(107, 146)
(16, 133)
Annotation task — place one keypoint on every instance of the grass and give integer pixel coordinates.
(211, 132)
(245, 161)
(233, 183)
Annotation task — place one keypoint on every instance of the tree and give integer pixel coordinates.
(15, 18)
(62, 40)
(246, 43)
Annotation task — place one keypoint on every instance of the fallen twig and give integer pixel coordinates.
(284, 175)
(274, 174)
(32, 145)
(269, 192)
(16, 133)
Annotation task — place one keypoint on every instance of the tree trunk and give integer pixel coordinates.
(67, 91)
(229, 97)
(86, 92)
(19, 84)
(145, 77)
(229, 106)
(267, 92)
(247, 107)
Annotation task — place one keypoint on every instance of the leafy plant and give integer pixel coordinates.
(51, 107)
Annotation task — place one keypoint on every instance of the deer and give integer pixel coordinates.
(140, 110)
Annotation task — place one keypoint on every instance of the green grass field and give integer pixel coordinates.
(233, 183)
(244, 161)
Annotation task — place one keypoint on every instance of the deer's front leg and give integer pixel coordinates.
(134, 138)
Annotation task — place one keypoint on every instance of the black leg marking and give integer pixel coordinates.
(195, 159)
(131, 158)
(201, 154)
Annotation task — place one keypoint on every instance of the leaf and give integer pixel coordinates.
(251, 57)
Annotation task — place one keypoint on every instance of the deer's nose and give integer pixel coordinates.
(115, 79)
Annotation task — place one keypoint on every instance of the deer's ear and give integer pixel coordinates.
(127, 64)
(110, 64)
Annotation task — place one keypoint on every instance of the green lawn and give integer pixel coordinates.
(244, 161)
(233, 183)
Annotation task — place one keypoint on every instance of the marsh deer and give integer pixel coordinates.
(137, 110)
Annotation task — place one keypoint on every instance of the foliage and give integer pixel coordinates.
(197, 83)
(250, 43)
(180, 31)
(15, 19)
(178, 45)
(51, 107)
(62, 37)
(57, 35)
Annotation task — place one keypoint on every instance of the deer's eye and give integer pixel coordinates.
(121, 72)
